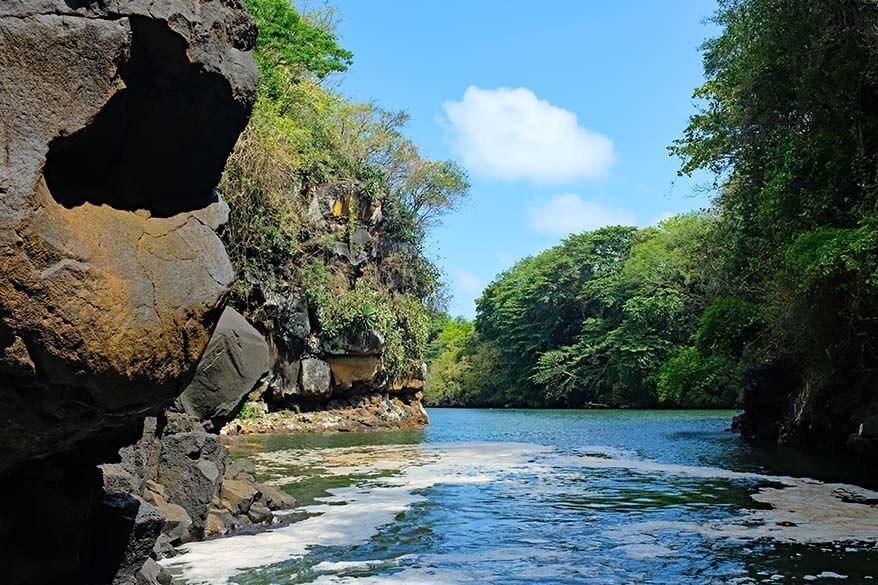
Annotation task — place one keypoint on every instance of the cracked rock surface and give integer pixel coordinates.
(116, 118)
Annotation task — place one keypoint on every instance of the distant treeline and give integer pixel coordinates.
(782, 268)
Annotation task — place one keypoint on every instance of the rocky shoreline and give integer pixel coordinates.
(177, 483)
(365, 412)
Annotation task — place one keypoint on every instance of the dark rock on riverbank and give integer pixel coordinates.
(784, 406)
(192, 483)
(180, 471)
(116, 119)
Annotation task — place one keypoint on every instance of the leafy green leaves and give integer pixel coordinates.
(836, 256)
(287, 46)
(788, 124)
(591, 320)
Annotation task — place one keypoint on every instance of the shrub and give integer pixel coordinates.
(691, 380)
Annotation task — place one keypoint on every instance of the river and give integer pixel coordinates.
(527, 496)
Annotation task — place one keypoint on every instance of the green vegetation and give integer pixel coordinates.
(789, 126)
(305, 140)
(590, 321)
(783, 269)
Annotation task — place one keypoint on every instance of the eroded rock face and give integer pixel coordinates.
(116, 118)
(347, 370)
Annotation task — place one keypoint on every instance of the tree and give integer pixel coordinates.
(788, 123)
(594, 319)
(287, 47)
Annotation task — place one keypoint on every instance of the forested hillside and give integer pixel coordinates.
(330, 203)
(769, 298)
(612, 316)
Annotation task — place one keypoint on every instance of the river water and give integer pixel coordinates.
(525, 496)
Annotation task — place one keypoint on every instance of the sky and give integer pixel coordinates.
(561, 112)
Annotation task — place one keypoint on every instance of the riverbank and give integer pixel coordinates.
(360, 413)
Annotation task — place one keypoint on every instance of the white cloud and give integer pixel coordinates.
(511, 134)
(569, 213)
(469, 284)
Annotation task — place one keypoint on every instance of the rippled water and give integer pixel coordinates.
(551, 497)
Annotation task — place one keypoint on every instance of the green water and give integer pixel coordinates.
(518, 496)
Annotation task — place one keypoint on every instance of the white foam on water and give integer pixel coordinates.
(802, 510)
(386, 481)
(341, 566)
(351, 515)
(648, 466)
(409, 576)
(340, 461)
(641, 552)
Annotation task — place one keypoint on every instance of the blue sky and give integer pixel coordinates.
(560, 111)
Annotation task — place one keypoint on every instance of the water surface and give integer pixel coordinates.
(518, 496)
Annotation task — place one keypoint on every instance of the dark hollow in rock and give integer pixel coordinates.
(124, 157)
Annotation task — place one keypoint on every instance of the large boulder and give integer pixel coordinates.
(116, 118)
(315, 377)
(234, 361)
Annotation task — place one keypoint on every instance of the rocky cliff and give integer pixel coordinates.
(116, 118)
(325, 376)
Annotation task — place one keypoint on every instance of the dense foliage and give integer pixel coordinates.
(303, 137)
(592, 320)
(789, 124)
(784, 269)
